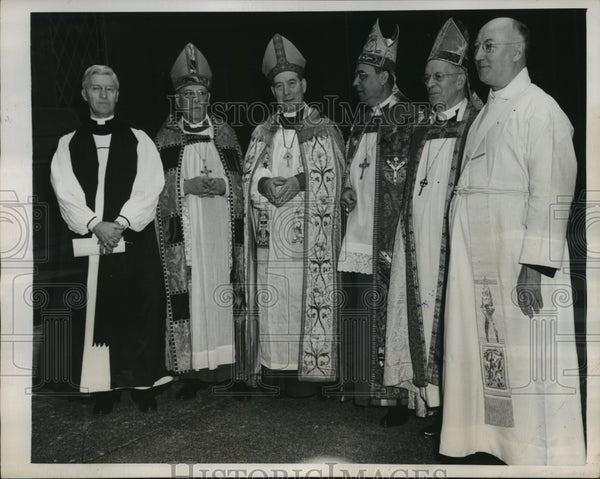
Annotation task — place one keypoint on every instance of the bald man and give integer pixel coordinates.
(508, 393)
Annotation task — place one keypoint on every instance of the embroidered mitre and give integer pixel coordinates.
(280, 56)
(190, 68)
(451, 45)
(379, 51)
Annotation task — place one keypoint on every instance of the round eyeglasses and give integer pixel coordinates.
(437, 77)
(488, 46)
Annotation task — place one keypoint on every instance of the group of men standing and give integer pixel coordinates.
(424, 288)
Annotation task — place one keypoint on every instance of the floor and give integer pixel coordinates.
(213, 428)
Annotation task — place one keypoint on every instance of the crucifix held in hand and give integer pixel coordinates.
(364, 165)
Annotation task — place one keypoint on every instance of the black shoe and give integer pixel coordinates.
(432, 431)
(104, 402)
(144, 398)
(396, 416)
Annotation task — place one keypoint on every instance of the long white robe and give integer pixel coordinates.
(512, 391)
(280, 269)
(206, 231)
(429, 205)
(139, 210)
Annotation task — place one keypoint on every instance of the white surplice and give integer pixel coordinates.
(356, 254)
(429, 205)
(207, 233)
(138, 211)
(280, 268)
(510, 384)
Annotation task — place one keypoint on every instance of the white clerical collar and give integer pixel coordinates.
(200, 123)
(291, 114)
(457, 111)
(102, 121)
(516, 86)
(390, 100)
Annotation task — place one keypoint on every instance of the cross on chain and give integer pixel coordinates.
(364, 165)
(205, 171)
(423, 184)
(288, 157)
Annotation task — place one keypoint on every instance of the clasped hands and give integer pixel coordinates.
(109, 234)
(280, 190)
(204, 186)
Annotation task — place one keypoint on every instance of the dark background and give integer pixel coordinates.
(141, 48)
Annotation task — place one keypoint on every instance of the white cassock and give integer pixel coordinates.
(429, 208)
(511, 386)
(207, 238)
(139, 210)
(280, 268)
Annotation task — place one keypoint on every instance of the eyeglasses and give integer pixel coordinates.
(194, 94)
(488, 46)
(437, 77)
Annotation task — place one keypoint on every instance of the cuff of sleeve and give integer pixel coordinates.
(93, 223)
(545, 270)
(301, 177)
(260, 186)
(123, 221)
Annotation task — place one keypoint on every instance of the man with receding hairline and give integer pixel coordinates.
(506, 390)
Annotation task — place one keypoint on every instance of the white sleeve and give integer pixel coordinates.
(552, 169)
(70, 195)
(140, 208)
(257, 198)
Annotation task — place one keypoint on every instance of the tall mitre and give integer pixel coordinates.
(379, 51)
(451, 45)
(282, 55)
(191, 68)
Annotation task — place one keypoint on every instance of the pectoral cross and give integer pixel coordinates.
(423, 184)
(395, 167)
(205, 170)
(364, 165)
(288, 157)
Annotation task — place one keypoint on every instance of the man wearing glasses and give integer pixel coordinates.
(199, 221)
(413, 359)
(508, 393)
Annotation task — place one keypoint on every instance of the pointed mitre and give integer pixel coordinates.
(190, 68)
(379, 51)
(451, 45)
(280, 56)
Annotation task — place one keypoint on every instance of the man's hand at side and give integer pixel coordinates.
(348, 199)
(529, 291)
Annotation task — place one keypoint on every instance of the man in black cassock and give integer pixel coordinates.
(107, 178)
